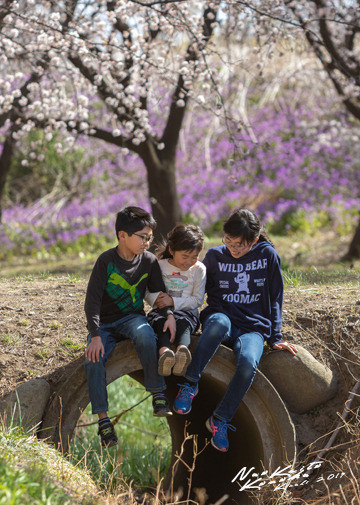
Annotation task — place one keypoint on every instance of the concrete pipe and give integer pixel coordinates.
(264, 437)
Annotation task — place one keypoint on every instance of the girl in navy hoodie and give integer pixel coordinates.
(244, 309)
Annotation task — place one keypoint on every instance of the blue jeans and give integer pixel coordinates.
(248, 348)
(136, 328)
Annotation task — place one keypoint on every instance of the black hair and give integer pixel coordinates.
(133, 219)
(245, 224)
(183, 237)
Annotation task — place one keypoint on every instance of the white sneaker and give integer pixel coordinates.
(166, 362)
(182, 361)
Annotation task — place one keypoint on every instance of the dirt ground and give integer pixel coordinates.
(42, 328)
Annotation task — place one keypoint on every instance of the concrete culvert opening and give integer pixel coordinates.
(264, 437)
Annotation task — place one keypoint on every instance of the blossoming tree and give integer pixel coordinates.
(93, 68)
(332, 31)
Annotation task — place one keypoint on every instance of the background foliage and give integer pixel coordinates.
(302, 174)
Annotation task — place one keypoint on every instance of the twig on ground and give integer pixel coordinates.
(340, 424)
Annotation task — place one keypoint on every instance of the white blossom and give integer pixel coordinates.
(129, 126)
(83, 100)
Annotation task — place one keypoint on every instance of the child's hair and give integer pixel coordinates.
(133, 219)
(245, 224)
(183, 237)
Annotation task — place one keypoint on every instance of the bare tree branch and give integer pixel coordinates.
(4, 11)
(176, 114)
(160, 2)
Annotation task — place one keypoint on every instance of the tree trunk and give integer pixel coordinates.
(5, 160)
(162, 190)
(354, 248)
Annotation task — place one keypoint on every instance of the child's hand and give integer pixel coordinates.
(164, 300)
(95, 350)
(285, 346)
(170, 324)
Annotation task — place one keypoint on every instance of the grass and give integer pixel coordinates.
(55, 325)
(43, 353)
(9, 340)
(313, 276)
(70, 346)
(315, 258)
(24, 322)
(33, 473)
(144, 450)
(70, 266)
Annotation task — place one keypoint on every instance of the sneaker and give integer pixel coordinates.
(219, 431)
(182, 361)
(182, 403)
(107, 434)
(161, 406)
(166, 362)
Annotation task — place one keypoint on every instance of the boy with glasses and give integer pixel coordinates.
(114, 311)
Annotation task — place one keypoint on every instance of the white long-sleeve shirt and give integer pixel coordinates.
(186, 287)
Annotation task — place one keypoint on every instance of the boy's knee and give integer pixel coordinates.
(145, 338)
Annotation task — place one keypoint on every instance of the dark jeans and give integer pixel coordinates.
(136, 328)
(182, 337)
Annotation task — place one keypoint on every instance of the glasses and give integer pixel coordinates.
(228, 244)
(145, 238)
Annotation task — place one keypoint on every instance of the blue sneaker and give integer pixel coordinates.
(219, 431)
(182, 403)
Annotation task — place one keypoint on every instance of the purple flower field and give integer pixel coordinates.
(304, 166)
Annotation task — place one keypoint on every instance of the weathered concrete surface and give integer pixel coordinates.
(265, 434)
(301, 380)
(26, 404)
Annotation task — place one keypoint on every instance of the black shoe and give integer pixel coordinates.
(161, 406)
(108, 435)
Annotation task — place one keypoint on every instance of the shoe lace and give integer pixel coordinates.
(222, 426)
(186, 390)
(107, 430)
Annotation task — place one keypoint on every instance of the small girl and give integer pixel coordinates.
(184, 277)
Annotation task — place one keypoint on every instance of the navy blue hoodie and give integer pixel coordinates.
(248, 289)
